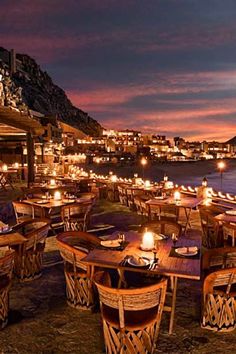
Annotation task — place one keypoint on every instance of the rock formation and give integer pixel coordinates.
(31, 88)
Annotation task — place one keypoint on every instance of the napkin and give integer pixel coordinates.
(110, 243)
(183, 250)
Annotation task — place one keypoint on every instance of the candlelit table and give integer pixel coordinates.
(168, 265)
(186, 203)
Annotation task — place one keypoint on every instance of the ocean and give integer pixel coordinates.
(186, 173)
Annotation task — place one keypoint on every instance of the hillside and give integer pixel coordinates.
(32, 88)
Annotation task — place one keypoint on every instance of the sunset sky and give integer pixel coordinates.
(161, 66)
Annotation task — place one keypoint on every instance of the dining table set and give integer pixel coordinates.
(176, 259)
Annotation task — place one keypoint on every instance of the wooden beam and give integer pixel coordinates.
(30, 157)
(20, 121)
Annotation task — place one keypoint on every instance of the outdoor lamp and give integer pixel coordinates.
(204, 182)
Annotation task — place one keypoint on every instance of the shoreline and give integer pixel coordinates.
(187, 173)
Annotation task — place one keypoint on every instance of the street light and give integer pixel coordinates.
(221, 167)
(143, 163)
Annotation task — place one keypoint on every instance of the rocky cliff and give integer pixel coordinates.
(30, 87)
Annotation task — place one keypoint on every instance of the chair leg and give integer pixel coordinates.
(79, 291)
(4, 306)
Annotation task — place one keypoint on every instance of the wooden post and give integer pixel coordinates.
(30, 157)
(12, 61)
(42, 153)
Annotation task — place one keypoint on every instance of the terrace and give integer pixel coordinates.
(48, 320)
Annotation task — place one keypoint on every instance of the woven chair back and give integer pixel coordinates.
(75, 209)
(135, 299)
(211, 230)
(35, 231)
(222, 257)
(220, 278)
(169, 211)
(22, 209)
(74, 245)
(165, 227)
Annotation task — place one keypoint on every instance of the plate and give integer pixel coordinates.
(230, 212)
(41, 202)
(160, 237)
(110, 243)
(133, 264)
(2, 232)
(187, 251)
(68, 200)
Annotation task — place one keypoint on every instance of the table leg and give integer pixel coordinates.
(174, 281)
(171, 308)
(121, 278)
(187, 212)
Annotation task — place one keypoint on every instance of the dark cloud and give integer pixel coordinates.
(164, 65)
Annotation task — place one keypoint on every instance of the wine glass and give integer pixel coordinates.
(174, 239)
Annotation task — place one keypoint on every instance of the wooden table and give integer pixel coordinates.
(226, 218)
(11, 239)
(173, 267)
(186, 203)
(51, 203)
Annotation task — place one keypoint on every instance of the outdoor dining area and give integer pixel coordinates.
(128, 256)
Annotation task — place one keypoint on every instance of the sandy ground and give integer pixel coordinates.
(42, 322)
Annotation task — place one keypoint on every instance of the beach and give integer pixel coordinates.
(186, 173)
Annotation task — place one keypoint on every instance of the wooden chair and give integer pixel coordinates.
(23, 211)
(219, 301)
(131, 317)
(229, 231)
(211, 232)
(218, 258)
(6, 267)
(76, 216)
(164, 212)
(165, 227)
(122, 195)
(73, 246)
(88, 197)
(137, 204)
(29, 257)
(130, 198)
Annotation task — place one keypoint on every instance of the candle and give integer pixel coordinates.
(4, 167)
(177, 196)
(57, 195)
(16, 165)
(113, 178)
(147, 184)
(148, 241)
(52, 182)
